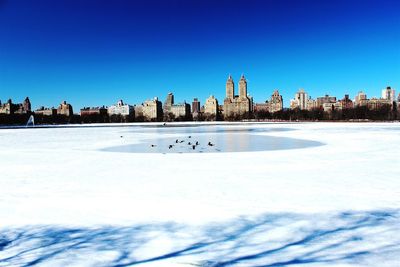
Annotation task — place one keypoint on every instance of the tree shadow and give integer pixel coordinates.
(274, 239)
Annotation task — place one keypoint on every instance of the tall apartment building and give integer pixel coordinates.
(152, 109)
(65, 109)
(195, 106)
(389, 94)
(300, 100)
(361, 99)
(276, 102)
(179, 110)
(233, 104)
(211, 106)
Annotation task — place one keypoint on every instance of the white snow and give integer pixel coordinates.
(64, 201)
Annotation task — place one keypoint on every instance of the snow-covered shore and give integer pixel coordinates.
(334, 204)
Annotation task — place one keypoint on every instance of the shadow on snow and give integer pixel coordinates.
(281, 239)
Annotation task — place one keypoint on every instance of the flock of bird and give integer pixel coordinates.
(192, 144)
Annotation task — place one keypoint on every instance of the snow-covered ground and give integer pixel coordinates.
(67, 201)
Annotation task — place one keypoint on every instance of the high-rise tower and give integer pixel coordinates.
(242, 87)
(230, 88)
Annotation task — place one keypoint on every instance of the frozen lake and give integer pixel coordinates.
(211, 139)
(274, 194)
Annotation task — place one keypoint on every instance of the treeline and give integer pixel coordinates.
(384, 113)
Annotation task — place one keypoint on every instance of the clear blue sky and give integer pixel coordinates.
(94, 52)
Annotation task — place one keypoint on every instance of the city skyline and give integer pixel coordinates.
(92, 53)
(237, 91)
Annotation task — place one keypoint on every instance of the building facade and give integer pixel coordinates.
(346, 103)
(233, 104)
(389, 94)
(178, 110)
(195, 107)
(121, 109)
(19, 108)
(6, 108)
(152, 110)
(88, 111)
(377, 103)
(325, 100)
(261, 107)
(211, 106)
(361, 99)
(46, 111)
(300, 100)
(276, 102)
(65, 109)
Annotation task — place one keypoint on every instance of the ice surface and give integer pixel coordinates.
(66, 201)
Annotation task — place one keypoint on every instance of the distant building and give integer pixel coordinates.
(181, 110)
(361, 99)
(65, 109)
(233, 104)
(24, 107)
(121, 109)
(311, 104)
(211, 106)
(195, 107)
(88, 111)
(261, 107)
(46, 111)
(398, 103)
(345, 103)
(329, 106)
(251, 103)
(152, 109)
(178, 110)
(7, 108)
(377, 103)
(300, 100)
(325, 101)
(169, 102)
(389, 94)
(19, 108)
(276, 102)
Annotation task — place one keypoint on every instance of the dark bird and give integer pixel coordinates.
(153, 145)
(170, 146)
(194, 147)
(197, 143)
(182, 141)
(176, 141)
(210, 144)
(190, 136)
(121, 136)
(189, 143)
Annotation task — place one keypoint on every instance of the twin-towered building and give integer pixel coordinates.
(236, 104)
